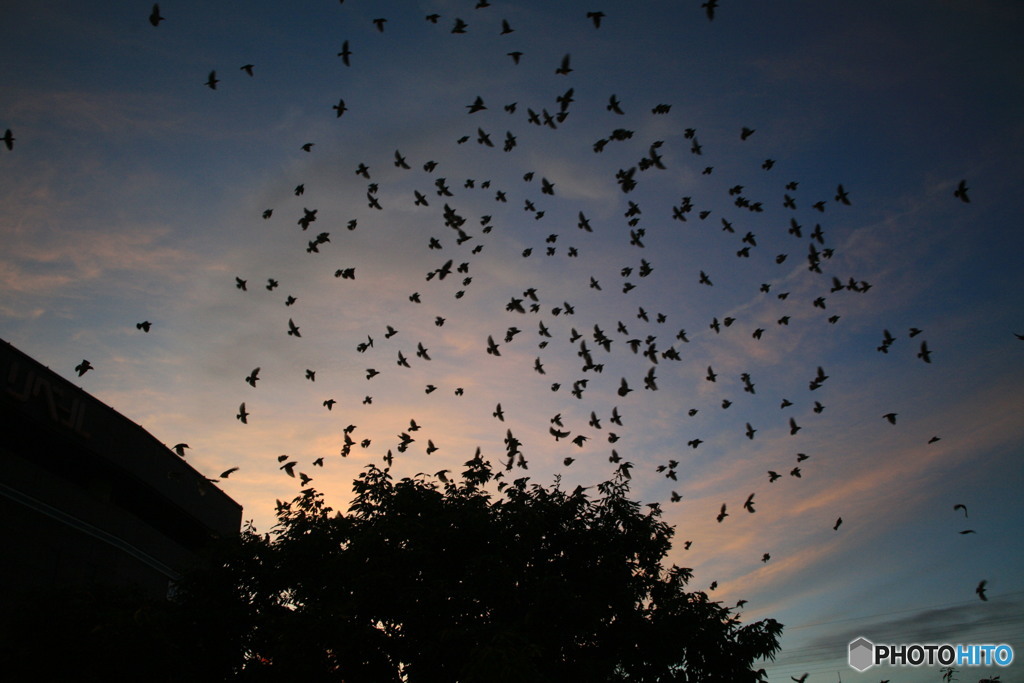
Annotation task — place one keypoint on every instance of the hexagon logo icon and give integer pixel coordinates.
(862, 654)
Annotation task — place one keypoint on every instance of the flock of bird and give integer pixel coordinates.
(527, 308)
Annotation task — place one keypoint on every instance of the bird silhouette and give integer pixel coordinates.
(980, 590)
(83, 367)
(961, 192)
(722, 514)
(924, 354)
(345, 54)
(211, 81)
(242, 414)
(8, 139)
(154, 16)
(492, 348)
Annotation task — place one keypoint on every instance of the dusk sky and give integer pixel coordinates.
(132, 191)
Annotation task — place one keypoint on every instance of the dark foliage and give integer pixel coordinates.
(427, 582)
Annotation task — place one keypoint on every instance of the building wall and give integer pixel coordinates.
(88, 497)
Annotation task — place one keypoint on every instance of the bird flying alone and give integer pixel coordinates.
(961, 192)
(154, 15)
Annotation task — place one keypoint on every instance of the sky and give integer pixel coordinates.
(135, 192)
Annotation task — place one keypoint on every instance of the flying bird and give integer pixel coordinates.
(247, 68)
(564, 69)
(83, 367)
(924, 354)
(722, 514)
(961, 506)
(980, 590)
(842, 196)
(345, 54)
(253, 377)
(961, 192)
(242, 414)
(211, 81)
(8, 139)
(492, 348)
(154, 16)
(179, 448)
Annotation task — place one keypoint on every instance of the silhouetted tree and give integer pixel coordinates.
(424, 581)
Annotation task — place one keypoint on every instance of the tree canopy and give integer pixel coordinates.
(436, 579)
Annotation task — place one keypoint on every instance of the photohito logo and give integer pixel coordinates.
(864, 654)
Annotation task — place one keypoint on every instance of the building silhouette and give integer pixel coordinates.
(90, 499)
